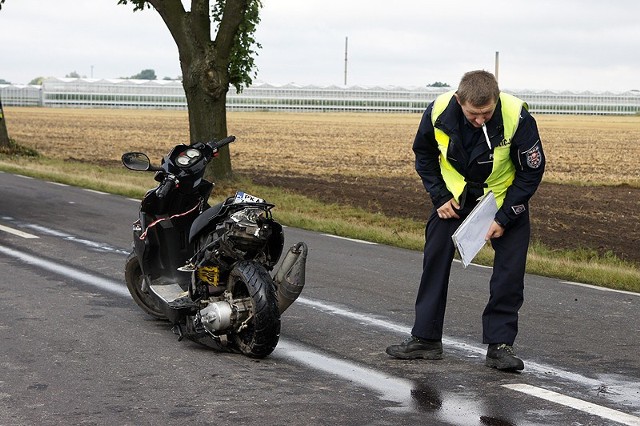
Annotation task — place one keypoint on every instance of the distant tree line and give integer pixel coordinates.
(438, 84)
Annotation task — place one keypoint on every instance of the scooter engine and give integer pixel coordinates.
(223, 315)
(216, 316)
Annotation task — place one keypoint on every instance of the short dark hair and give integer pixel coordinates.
(478, 88)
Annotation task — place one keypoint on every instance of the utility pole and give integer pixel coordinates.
(346, 44)
(4, 135)
(497, 64)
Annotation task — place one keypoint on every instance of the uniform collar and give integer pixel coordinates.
(451, 116)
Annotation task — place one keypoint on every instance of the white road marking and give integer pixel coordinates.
(17, 232)
(372, 243)
(595, 287)
(404, 392)
(542, 370)
(391, 388)
(96, 192)
(474, 264)
(578, 404)
(68, 237)
(96, 281)
(350, 239)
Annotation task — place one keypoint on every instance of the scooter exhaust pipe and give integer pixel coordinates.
(290, 277)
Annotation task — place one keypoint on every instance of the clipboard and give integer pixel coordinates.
(469, 237)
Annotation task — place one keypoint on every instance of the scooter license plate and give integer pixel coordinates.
(243, 197)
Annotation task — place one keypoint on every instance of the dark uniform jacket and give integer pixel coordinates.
(526, 154)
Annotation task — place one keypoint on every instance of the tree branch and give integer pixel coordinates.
(201, 21)
(174, 16)
(231, 19)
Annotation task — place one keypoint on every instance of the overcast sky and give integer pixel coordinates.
(543, 45)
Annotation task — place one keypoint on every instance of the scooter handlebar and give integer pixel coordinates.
(215, 145)
(166, 186)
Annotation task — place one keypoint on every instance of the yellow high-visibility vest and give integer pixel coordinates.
(503, 171)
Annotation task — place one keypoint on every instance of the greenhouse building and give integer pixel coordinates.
(169, 94)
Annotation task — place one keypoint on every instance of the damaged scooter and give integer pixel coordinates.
(214, 272)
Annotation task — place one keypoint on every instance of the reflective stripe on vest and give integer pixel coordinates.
(503, 171)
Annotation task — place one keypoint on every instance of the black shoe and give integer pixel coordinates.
(502, 357)
(414, 347)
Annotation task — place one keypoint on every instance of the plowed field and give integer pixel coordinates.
(365, 160)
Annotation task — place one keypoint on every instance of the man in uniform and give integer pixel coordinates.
(469, 142)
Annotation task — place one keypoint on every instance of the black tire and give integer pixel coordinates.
(260, 337)
(133, 277)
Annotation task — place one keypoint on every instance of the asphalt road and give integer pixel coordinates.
(75, 349)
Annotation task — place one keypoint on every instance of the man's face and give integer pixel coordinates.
(477, 115)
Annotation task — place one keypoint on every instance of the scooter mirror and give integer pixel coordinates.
(136, 161)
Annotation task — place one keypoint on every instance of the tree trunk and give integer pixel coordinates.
(208, 121)
(4, 135)
(205, 69)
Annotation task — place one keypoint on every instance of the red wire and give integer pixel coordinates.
(155, 222)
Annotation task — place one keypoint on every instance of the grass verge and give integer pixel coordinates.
(304, 212)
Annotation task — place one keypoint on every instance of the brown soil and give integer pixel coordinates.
(600, 218)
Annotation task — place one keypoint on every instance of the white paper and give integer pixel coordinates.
(469, 237)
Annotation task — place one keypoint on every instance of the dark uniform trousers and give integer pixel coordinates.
(500, 317)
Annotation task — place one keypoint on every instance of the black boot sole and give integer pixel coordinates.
(425, 354)
(496, 363)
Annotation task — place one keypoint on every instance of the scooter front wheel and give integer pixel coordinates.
(134, 278)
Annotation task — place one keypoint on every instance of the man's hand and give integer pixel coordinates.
(495, 231)
(446, 211)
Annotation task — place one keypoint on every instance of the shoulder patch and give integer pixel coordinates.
(533, 156)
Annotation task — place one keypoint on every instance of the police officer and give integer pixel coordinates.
(469, 142)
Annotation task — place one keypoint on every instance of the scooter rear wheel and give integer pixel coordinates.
(134, 278)
(261, 334)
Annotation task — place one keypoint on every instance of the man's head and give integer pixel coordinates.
(478, 94)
